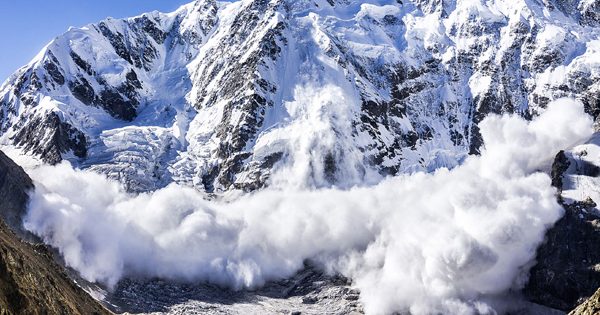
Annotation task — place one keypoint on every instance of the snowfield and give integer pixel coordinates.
(219, 95)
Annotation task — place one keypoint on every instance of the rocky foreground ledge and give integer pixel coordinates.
(31, 282)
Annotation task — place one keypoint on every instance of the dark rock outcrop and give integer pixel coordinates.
(568, 263)
(560, 165)
(49, 137)
(14, 185)
(31, 282)
(589, 307)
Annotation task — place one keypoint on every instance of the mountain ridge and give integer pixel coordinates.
(395, 87)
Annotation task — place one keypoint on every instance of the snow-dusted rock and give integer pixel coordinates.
(218, 95)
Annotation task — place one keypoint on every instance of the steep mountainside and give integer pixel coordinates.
(30, 280)
(218, 95)
(14, 186)
(568, 263)
(32, 283)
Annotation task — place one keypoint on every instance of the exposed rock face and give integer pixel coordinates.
(568, 263)
(589, 307)
(14, 186)
(49, 137)
(219, 95)
(559, 167)
(309, 292)
(31, 282)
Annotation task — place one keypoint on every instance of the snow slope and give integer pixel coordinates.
(237, 95)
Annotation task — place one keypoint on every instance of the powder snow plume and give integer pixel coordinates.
(421, 243)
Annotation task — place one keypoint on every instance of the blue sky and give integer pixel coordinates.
(27, 26)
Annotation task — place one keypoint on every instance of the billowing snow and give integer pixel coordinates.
(426, 243)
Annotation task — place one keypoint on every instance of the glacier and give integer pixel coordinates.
(236, 96)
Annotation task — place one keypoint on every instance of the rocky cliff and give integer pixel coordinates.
(568, 264)
(218, 95)
(567, 271)
(31, 282)
(14, 188)
(589, 307)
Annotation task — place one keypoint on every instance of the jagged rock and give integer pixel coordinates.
(31, 282)
(14, 188)
(204, 98)
(568, 263)
(590, 307)
(559, 167)
(50, 137)
(310, 291)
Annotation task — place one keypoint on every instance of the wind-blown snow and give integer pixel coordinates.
(424, 243)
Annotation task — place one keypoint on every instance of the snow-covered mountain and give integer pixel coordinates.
(220, 95)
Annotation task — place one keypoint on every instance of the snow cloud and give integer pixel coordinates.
(424, 243)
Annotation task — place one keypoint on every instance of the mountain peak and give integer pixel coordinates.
(230, 95)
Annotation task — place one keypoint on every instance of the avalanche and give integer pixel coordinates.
(425, 243)
(234, 140)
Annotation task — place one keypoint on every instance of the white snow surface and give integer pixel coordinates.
(581, 181)
(331, 58)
